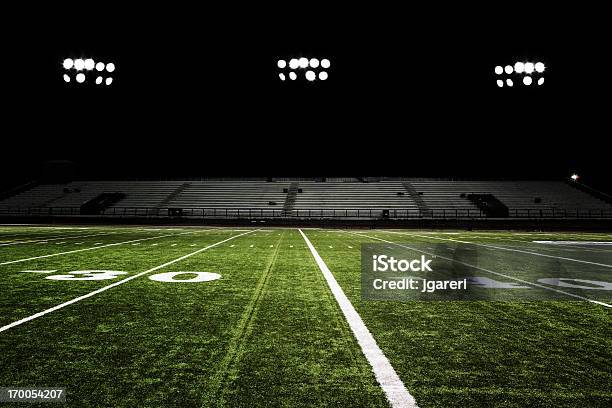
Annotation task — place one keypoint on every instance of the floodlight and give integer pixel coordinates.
(508, 69)
(89, 64)
(98, 80)
(110, 67)
(539, 67)
(509, 82)
(109, 81)
(529, 67)
(68, 63)
(281, 76)
(303, 62)
(500, 83)
(66, 78)
(100, 66)
(292, 76)
(281, 63)
(499, 70)
(541, 81)
(575, 177)
(293, 63)
(527, 80)
(310, 75)
(80, 78)
(325, 63)
(79, 64)
(314, 63)
(322, 74)
(519, 67)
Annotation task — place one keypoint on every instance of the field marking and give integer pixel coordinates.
(604, 243)
(84, 249)
(504, 249)
(112, 285)
(486, 270)
(393, 387)
(43, 240)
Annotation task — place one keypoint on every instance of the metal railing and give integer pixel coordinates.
(318, 213)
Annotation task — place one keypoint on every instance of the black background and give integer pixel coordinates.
(411, 91)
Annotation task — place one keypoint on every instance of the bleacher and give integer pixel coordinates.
(310, 198)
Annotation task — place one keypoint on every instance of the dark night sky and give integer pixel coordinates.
(411, 92)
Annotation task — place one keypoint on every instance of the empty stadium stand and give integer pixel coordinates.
(348, 198)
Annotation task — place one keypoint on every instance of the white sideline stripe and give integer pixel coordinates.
(112, 285)
(488, 271)
(84, 249)
(393, 387)
(505, 249)
(574, 242)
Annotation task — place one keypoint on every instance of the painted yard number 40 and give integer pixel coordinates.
(97, 275)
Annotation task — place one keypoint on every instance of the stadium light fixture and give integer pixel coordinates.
(500, 83)
(84, 66)
(539, 67)
(519, 67)
(575, 177)
(314, 68)
(529, 67)
(508, 69)
(499, 70)
(541, 81)
(509, 82)
(524, 70)
(527, 80)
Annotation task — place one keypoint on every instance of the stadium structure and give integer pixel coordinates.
(309, 200)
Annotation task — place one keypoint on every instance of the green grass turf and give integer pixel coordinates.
(270, 333)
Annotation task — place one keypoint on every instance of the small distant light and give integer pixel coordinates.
(79, 64)
(529, 67)
(281, 76)
(325, 63)
(509, 82)
(499, 70)
(110, 67)
(322, 74)
(68, 63)
(311, 76)
(100, 66)
(281, 63)
(293, 63)
(80, 78)
(500, 83)
(66, 78)
(519, 67)
(109, 81)
(508, 69)
(539, 67)
(89, 64)
(314, 63)
(527, 80)
(541, 81)
(98, 80)
(575, 177)
(292, 76)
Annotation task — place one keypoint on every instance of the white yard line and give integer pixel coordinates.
(37, 240)
(84, 249)
(486, 270)
(393, 387)
(112, 285)
(503, 248)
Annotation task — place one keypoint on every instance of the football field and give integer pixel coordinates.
(247, 317)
